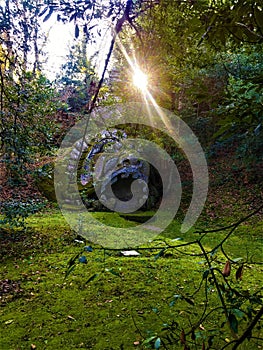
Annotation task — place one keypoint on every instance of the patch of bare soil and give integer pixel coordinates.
(9, 290)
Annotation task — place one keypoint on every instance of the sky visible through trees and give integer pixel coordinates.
(60, 37)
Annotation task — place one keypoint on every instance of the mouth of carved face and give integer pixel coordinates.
(113, 173)
(122, 180)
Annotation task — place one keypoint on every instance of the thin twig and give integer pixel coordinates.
(214, 278)
(234, 225)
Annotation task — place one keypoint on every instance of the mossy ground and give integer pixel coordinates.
(129, 299)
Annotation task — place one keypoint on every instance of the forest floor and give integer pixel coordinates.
(111, 301)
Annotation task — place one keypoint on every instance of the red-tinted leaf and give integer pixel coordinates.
(227, 269)
(239, 272)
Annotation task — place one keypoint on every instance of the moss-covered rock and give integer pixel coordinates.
(44, 180)
(107, 165)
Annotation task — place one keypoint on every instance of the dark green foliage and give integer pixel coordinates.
(218, 22)
(27, 102)
(27, 99)
(240, 112)
(15, 212)
(26, 124)
(239, 22)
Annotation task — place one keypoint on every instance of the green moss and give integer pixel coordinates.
(44, 180)
(130, 299)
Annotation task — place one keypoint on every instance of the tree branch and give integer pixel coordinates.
(92, 104)
(117, 29)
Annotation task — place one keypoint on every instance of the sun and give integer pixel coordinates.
(140, 79)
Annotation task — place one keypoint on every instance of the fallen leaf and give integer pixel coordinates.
(71, 318)
(9, 321)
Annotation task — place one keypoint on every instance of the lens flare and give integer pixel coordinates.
(140, 79)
